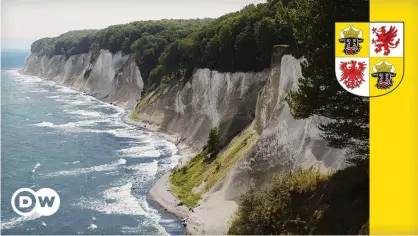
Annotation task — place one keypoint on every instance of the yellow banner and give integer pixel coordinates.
(393, 132)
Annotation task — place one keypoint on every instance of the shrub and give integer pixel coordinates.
(213, 145)
(307, 202)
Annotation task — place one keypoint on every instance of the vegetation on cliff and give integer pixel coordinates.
(319, 92)
(307, 202)
(203, 172)
(145, 40)
(166, 49)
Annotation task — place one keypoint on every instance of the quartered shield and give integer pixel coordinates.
(369, 57)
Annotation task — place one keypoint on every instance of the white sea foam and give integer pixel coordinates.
(77, 126)
(92, 226)
(84, 113)
(25, 79)
(74, 162)
(36, 167)
(145, 168)
(14, 222)
(66, 89)
(149, 169)
(138, 151)
(116, 200)
(121, 161)
(45, 124)
(78, 171)
(39, 91)
(55, 96)
(152, 214)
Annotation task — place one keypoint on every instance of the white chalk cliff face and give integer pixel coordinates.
(285, 144)
(209, 99)
(111, 78)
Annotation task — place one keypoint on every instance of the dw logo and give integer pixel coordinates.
(45, 201)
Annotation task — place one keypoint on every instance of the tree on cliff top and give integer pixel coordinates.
(319, 92)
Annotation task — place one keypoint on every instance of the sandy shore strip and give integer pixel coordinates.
(159, 193)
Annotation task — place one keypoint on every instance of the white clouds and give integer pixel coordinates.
(31, 19)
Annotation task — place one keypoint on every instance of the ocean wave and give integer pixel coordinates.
(77, 126)
(84, 113)
(116, 200)
(121, 161)
(138, 151)
(74, 162)
(45, 124)
(120, 201)
(78, 171)
(14, 222)
(92, 226)
(66, 89)
(39, 91)
(23, 78)
(149, 169)
(36, 167)
(55, 96)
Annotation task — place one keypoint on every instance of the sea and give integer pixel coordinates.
(102, 169)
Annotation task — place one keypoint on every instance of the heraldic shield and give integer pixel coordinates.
(369, 57)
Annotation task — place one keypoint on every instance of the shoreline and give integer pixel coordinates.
(160, 191)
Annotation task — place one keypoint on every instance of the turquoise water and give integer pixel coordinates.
(54, 137)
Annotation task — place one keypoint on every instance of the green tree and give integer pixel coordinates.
(213, 145)
(267, 36)
(319, 92)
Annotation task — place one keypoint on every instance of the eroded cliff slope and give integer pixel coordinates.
(111, 77)
(285, 144)
(209, 99)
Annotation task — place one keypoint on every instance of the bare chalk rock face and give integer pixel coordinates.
(111, 77)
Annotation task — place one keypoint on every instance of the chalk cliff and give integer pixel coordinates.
(209, 99)
(111, 77)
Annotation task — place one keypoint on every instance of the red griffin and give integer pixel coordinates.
(352, 73)
(385, 39)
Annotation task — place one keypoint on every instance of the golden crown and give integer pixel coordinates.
(351, 33)
(384, 67)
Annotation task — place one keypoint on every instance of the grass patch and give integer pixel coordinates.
(132, 115)
(199, 176)
(183, 180)
(148, 99)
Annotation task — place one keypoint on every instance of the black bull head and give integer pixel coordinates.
(351, 45)
(384, 79)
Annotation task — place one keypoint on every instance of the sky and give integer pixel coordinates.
(24, 21)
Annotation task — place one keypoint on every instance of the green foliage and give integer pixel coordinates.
(166, 49)
(185, 179)
(94, 49)
(307, 202)
(132, 115)
(146, 40)
(240, 41)
(199, 176)
(319, 92)
(213, 145)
